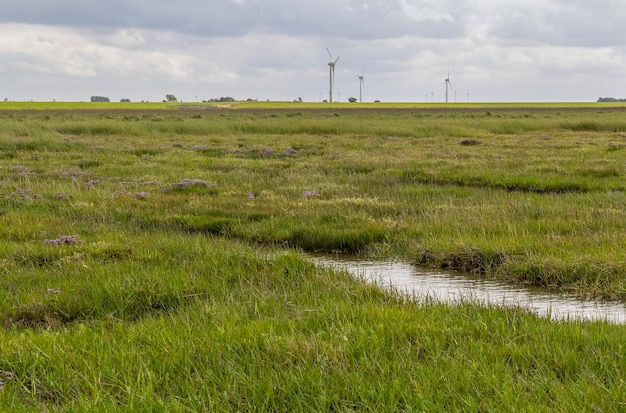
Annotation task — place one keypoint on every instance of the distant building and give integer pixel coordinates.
(100, 99)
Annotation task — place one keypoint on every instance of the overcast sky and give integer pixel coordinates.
(495, 50)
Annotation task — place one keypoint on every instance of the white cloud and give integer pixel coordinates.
(275, 48)
(428, 10)
(125, 38)
(46, 49)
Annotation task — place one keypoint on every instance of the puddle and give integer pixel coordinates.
(452, 287)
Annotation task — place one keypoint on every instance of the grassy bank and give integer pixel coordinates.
(147, 258)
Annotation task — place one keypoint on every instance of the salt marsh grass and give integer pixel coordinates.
(149, 260)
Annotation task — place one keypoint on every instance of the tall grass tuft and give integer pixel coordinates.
(346, 240)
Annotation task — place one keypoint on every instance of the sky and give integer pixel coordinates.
(493, 50)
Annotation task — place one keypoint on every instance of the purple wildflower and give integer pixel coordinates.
(5, 375)
(64, 239)
(23, 193)
(250, 195)
(72, 173)
(141, 195)
(185, 183)
(268, 151)
(20, 169)
(309, 194)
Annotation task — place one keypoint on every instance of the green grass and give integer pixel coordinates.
(150, 259)
(82, 105)
(423, 196)
(430, 105)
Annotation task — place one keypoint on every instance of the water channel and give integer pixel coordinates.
(452, 287)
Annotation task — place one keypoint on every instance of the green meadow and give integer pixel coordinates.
(152, 257)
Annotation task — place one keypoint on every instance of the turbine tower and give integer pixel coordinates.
(361, 85)
(331, 66)
(448, 83)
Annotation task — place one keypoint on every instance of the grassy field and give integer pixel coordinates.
(150, 256)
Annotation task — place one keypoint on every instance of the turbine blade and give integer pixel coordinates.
(336, 59)
(331, 56)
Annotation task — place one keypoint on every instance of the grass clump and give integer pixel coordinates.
(204, 224)
(194, 186)
(334, 240)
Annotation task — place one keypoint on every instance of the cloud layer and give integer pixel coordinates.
(532, 50)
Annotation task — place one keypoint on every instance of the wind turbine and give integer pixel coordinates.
(448, 83)
(361, 85)
(331, 66)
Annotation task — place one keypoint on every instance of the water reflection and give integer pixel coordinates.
(456, 287)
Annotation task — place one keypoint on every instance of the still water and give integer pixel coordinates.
(454, 287)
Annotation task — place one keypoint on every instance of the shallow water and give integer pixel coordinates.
(452, 287)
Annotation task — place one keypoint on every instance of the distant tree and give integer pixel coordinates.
(125, 100)
(223, 99)
(171, 98)
(352, 100)
(100, 99)
(611, 100)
